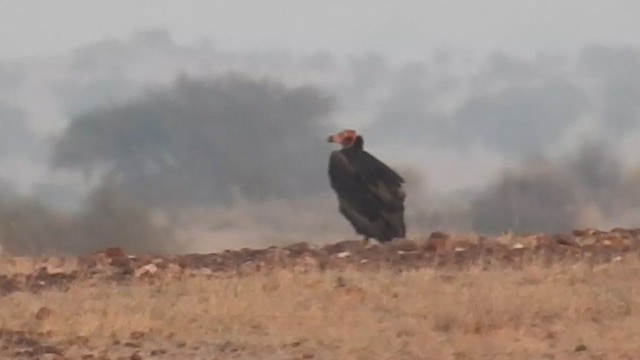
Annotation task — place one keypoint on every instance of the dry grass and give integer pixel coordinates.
(361, 315)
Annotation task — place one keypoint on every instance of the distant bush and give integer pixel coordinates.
(538, 199)
(28, 227)
(588, 188)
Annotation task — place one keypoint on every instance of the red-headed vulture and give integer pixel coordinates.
(370, 193)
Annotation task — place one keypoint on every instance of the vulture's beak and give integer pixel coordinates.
(330, 138)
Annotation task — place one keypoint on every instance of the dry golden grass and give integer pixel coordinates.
(499, 313)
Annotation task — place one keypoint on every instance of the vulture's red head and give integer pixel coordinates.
(344, 138)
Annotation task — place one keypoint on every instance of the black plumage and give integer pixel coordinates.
(370, 193)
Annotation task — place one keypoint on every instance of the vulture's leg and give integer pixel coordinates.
(368, 243)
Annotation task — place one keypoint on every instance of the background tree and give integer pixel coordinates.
(200, 142)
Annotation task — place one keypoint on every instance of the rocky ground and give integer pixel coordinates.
(438, 251)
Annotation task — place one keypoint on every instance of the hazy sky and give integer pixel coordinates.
(455, 121)
(32, 27)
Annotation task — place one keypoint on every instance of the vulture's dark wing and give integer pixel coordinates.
(351, 187)
(375, 170)
(380, 178)
(366, 183)
(371, 167)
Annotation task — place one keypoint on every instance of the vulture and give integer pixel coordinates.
(370, 194)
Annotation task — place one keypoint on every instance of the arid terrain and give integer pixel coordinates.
(571, 296)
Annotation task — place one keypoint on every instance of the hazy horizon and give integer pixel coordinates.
(452, 95)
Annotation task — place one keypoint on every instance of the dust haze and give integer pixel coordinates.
(156, 145)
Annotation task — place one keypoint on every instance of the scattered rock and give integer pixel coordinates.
(148, 269)
(114, 252)
(54, 270)
(120, 262)
(351, 246)
(564, 240)
(298, 248)
(437, 242)
(588, 240)
(402, 245)
(175, 270)
(43, 313)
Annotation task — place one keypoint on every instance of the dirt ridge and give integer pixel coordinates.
(438, 250)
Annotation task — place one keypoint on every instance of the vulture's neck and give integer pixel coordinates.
(357, 145)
